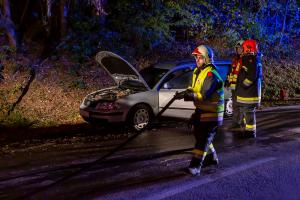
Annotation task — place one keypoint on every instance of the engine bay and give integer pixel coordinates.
(127, 87)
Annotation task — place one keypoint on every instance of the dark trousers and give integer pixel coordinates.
(237, 115)
(204, 134)
(249, 118)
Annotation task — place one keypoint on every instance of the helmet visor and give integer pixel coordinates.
(198, 56)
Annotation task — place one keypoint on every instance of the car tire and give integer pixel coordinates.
(139, 117)
(88, 120)
(228, 108)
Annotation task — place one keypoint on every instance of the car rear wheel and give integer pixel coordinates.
(140, 117)
(228, 108)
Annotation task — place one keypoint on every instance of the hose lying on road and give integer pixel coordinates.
(113, 151)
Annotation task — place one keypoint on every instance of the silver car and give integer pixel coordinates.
(137, 97)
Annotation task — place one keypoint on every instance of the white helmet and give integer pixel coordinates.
(206, 52)
(239, 43)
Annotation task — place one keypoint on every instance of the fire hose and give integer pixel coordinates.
(138, 133)
(99, 160)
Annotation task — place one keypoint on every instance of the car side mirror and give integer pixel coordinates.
(166, 86)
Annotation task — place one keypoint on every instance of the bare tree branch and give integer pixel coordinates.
(284, 21)
(99, 6)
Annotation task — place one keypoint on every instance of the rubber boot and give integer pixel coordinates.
(211, 159)
(195, 166)
(251, 134)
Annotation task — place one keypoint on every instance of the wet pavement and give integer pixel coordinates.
(151, 166)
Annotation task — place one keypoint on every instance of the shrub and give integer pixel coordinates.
(16, 119)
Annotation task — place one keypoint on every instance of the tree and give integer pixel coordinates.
(63, 10)
(284, 22)
(7, 24)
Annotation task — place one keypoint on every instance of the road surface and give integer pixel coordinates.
(151, 167)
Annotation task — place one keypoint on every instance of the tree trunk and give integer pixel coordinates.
(56, 25)
(49, 8)
(284, 22)
(8, 24)
(63, 15)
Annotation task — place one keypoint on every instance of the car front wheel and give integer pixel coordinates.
(140, 117)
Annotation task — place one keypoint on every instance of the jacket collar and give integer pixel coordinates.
(208, 65)
(198, 70)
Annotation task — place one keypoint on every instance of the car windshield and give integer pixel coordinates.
(153, 75)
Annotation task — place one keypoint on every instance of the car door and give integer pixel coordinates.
(178, 80)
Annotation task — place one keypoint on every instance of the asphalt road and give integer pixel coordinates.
(151, 167)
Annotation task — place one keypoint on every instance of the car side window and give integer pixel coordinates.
(180, 79)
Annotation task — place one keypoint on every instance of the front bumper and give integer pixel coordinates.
(113, 116)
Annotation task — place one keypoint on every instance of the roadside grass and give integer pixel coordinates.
(54, 96)
(17, 120)
(280, 75)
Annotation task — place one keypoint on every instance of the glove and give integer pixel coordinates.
(188, 95)
(179, 95)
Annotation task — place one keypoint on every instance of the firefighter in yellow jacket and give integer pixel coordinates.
(207, 93)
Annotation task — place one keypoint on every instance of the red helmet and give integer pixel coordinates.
(250, 46)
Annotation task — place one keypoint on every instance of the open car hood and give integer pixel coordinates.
(118, 68)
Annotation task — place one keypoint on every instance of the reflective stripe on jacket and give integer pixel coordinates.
(248, 89)
(208, 88)
(235, 69)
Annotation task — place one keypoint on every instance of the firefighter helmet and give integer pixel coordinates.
(250, 46)
(239, 43)
(204, 51)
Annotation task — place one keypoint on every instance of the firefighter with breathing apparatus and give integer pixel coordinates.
(248, 88)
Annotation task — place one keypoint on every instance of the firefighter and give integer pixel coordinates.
(232, 79)
(207, 93)
(248, 88)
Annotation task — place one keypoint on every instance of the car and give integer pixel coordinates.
(137, 97)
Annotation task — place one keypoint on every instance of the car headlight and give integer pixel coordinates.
(87, 102)
(107, 106)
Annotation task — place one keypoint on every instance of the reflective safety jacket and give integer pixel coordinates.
(248, 88)
(235, 69)
(208, 89)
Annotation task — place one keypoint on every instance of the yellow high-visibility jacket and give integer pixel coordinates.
(208, 89)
